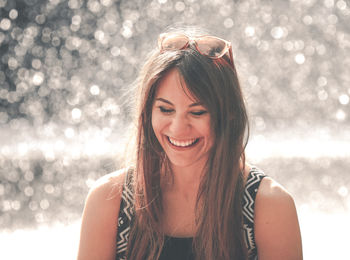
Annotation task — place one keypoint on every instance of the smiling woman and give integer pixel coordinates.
(190, 194)
(181, 124)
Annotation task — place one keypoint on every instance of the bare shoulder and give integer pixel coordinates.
(277, 231)
(108, 186)
(99, 220)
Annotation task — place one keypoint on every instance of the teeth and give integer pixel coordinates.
(182, 143)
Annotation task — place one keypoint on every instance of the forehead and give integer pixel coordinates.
(173, 86)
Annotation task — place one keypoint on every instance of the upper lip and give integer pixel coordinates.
(182, 140)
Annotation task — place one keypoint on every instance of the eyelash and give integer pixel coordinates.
(195, 113)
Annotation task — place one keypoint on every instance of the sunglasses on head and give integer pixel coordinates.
(210, 46)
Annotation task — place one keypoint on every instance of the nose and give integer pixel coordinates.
(179, 125)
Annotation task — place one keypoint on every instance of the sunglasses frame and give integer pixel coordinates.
(192, 41)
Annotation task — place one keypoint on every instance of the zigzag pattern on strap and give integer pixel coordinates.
(250, 191)
(125, 216)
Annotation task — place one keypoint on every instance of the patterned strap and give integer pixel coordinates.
(126, 213)
(254, 179)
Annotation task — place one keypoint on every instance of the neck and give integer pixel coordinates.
(184, 180)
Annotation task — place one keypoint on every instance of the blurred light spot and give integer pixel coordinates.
(5, 24)
(38, 78)
(228, 23)
(344, 99)
(299, 58)
(16, 205)
(40, 19)
(95, 90)
(76, 114)
(110, 105)
(3, 3)
(277, 32)
(299, 45)
(341, 5)
(322, 95)
(262, 45)
(13, 14)
(253, 80)
(39, 218)
(12, 63)
(44, 204)
(332, 19)
(126, 32)
(69, 132)
(29, 191)
(99, 35)
(49, 188)
(343, 191)
(73, 43)
(106, 2)
(75, 4)
(249, 31)
(6, 205)
(329, 3)
(260, 123)
(106, 65)
(56, 41)
(29, 176)
(340, 115)
(36, 64)
(180, 6)
(307, 19)
(115, 51)
(322, 81)
(94, 6)
(76, 19)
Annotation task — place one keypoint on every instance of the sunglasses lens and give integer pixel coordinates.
(211, 46)
(174, 42)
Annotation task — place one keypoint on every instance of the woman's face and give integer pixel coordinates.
(180, 123)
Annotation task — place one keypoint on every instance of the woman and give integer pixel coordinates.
(190, 194)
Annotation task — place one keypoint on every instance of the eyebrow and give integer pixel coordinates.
(168, 102)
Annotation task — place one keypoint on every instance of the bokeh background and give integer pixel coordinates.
(66, 71)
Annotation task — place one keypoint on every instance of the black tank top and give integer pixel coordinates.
(181, 248)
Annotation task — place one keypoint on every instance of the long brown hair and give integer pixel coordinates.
(219, 207)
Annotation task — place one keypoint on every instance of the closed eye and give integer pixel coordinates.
(199, 113)
(164, 110)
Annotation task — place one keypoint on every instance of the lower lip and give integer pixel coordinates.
(181, 148)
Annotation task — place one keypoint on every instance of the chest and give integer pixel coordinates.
(179, 216)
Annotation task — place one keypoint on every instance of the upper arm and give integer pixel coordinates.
(99, 221)
(277, 232)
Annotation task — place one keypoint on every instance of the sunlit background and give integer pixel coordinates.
(66, 66)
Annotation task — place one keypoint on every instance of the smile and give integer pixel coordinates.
(183, 143)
